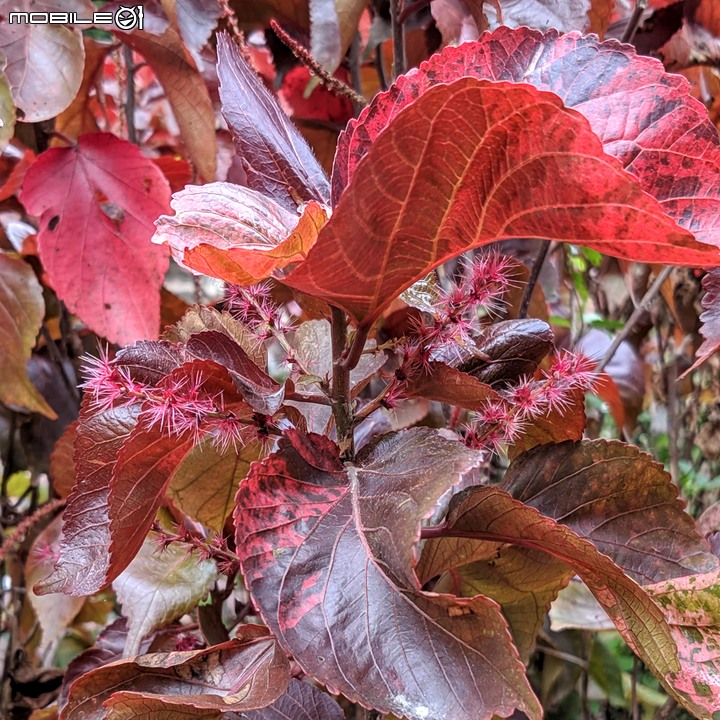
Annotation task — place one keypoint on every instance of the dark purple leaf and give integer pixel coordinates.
(327, 552)
(301, 701)
(615, 496)
(508, 350)
(257, 388)
(276, 158)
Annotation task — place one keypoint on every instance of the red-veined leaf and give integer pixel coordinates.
(62, 467)
(489, 514)
(21, 312)
(201, 318)
(242, 674)
(148, 459)
(83, 563)
(276, 158)
(553, 427)
(644, 116)
(619, 499)
(108, 648)
(334, 578)
(236, 234)
(160, 585)
(97, 203)
(524, 583)
(415, 201)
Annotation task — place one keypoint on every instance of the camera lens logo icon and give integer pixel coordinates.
(128, 18)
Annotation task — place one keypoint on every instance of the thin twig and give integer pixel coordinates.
(532, 280)
(352, 357)
(665, 711)
(340, 392)
(398, 38)
(130, 94)
(633, 689)
(634, 21)
(307, 398)
(355, 77)
(335, 86)
(585, 679)
(644, 304)
(380, 67)
(61, 136)
(375, 403)
(560, 655)
(673, 417)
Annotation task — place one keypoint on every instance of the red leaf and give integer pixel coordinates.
(416, 201)
(277, 160)
(42, 62)
(97, 203)
(321, 104)
(244, 673)
(615, 496)
(62, 468)
(176, 170)
(83, 563)
(236, 234)
(491, 515)
(257, 388)
(609, 512)
(449, 385)
(142, 471)
(185, 90)
(11, 182)
(327, 552)
(553, 427)
(644, 116)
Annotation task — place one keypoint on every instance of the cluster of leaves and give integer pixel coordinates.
(364, 464)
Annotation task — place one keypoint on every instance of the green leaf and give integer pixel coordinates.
(159, 586)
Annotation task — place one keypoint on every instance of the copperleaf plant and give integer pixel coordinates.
(376, 551)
